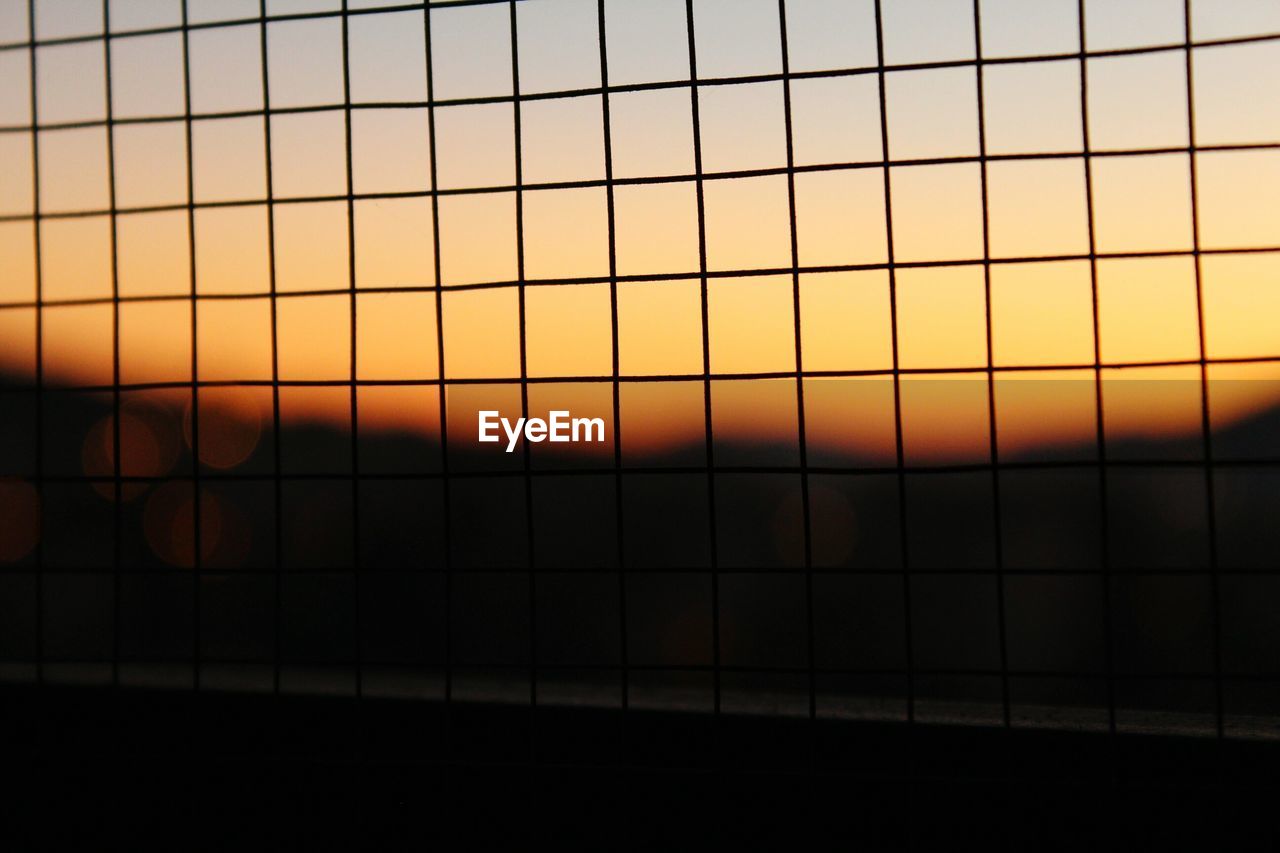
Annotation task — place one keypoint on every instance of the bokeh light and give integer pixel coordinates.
(169, 523)
(149, 448)
(230, 428)
(20, 509)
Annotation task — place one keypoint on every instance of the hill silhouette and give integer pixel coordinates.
(354, 573)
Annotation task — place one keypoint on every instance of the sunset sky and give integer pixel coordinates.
(1041, 311)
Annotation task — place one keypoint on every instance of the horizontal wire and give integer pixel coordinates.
(582, 469)
(741, 669)
(417, 7)
(749, 272)
(612, 89)
(242, 21)
(182, 384)
(648, 180)
(264, 570)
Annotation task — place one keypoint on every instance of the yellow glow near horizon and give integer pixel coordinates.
(1041, 313)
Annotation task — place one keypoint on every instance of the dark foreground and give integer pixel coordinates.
(102, 769)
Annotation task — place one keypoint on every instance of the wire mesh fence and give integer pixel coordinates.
(1115, 585)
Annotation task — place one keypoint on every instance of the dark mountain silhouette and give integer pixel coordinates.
(354, 570)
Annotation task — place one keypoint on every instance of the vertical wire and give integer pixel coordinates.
(353, 352)
(442, 387)
(275, 357)
(800, 411)
(623, 652)
(193, 290)
(899, 456)
(1206, 427)
(1099, 412)
(117, 514)
(354, 401)
(706, 370)
(524, 392)
(198, 565)
(993, 432)
(36, 219)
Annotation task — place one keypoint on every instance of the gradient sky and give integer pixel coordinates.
(1041, 312)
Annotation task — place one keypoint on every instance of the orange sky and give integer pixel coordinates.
(1041, 313)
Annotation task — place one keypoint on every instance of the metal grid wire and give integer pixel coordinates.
(899, 470)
